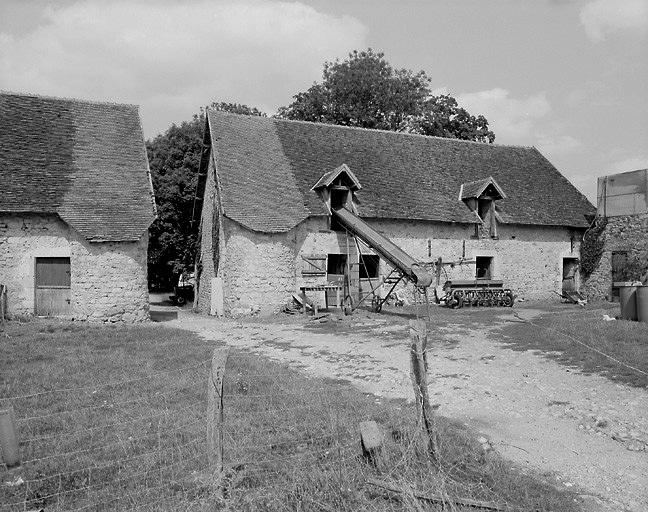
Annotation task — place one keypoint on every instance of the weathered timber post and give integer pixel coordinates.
(371, 440)
(9, 438)
(215, 408)
(3, 302)
(418, 360)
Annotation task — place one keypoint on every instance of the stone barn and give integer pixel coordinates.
(623, 209)
(76, 201)
(266, 188)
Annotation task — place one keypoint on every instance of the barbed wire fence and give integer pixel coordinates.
(141, 443)
(166, 441)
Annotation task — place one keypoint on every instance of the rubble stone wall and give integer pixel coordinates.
(261, 271)
(529, 259)
(210, 229)
(624, 233)
(258, 270)
(108, 281)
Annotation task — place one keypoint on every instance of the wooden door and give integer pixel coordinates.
(53, 287)
(619, 264)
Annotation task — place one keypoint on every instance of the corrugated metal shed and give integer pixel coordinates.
(623, 194)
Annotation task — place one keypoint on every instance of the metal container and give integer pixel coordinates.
(628, 299)
(642, 303)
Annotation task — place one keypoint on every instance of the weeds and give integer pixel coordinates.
(114, 418)
(624, 341)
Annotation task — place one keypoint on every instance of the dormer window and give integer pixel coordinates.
(480, 197)
(340, 197)
(337, 189)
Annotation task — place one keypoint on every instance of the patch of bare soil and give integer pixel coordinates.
(533, 411)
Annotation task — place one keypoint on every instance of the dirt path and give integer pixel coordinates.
(532, 410)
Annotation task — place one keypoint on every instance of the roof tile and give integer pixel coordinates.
(267, 168)
(85, 161)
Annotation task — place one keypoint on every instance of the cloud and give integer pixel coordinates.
(528, 121)
(602, 17)
(557, 144)
(630, 164)
(513, 120)
(173, 57)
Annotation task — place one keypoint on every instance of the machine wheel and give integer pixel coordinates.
(508, 299)
(181, 301)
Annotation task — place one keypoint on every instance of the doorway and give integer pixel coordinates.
(335, 270)
(619, 263)
(52, 287)
(569, 275)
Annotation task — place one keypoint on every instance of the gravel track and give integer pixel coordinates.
(588, 432)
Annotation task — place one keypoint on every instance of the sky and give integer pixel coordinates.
(566, 76)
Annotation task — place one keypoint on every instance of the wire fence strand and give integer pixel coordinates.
(160, 439)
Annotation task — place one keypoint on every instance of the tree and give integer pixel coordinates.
(443, 117)
(174, 158)
(366, 91)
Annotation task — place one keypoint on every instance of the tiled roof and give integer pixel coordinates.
(266, 168)
(84, 161)
(475, 189)
(328, 178)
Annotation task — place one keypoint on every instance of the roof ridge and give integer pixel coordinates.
(64, 98)
(361, 128)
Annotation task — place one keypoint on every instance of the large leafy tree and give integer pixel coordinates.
(174, 158)
(366, 91)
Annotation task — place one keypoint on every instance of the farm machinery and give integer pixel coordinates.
(477, 292)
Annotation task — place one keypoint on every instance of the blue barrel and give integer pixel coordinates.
(628, 296)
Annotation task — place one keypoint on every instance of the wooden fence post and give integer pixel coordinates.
(9, 438)
(418, 360)
(3, 302)
(215, 408)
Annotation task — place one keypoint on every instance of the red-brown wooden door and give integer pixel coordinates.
(53, 287)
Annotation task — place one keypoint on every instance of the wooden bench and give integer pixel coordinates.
(320, 288)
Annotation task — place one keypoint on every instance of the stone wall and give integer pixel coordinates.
(528, 259)
(258, 270)
(625, 233)
(107, 280)
(210, 230)
(261, 271)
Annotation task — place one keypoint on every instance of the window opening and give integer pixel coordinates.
(483, 208)
(339, 197)
(369, 265)
(336, 264)
(484, 267)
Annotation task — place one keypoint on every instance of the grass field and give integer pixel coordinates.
(579, 338)
(114, 418)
